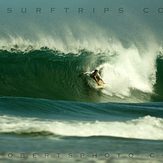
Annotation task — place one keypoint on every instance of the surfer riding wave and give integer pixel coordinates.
(96, 76)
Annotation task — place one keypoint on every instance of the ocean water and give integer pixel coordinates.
(50, 111)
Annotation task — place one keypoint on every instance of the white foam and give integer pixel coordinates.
(69, 39)
(143, 128)
(129, 70)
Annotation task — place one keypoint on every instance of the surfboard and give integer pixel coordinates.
(101, 85)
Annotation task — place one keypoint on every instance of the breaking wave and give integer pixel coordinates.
(145, 127)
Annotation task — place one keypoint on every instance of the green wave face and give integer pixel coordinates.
(51, 74)
(44, 74)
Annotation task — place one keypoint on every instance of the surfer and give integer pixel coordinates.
(96, 76)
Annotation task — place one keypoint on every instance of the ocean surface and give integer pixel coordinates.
(51, 111)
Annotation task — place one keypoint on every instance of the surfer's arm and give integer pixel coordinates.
(83, 73)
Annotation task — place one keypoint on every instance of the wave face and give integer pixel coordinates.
(51, 74)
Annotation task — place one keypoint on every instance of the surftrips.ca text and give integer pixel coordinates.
(80, 10)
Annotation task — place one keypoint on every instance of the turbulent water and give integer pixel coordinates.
(50, 107)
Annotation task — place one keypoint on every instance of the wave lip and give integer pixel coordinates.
(147, 127)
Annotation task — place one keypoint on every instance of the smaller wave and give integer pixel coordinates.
(147, 127)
